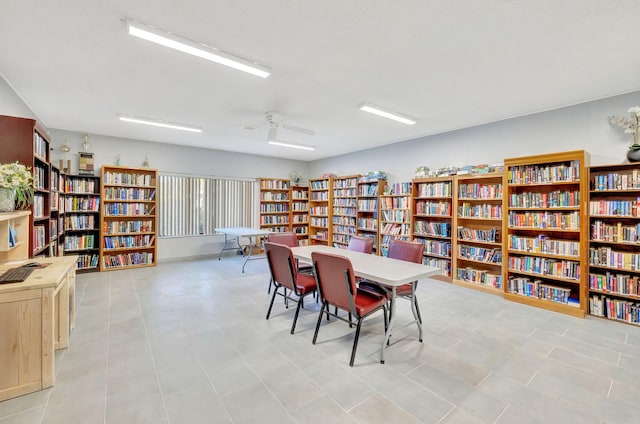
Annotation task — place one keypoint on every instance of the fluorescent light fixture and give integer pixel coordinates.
(159, 123)
(194, 48)
(391, 115)
(292, 145)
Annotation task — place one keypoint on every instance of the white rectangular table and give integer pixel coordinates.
(390, 273)
(233, 234)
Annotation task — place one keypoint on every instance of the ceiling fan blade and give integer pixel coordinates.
(298, 129)
(273, 134)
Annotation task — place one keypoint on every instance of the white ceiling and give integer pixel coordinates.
(450, 64)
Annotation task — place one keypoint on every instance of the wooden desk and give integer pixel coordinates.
(35, 319)
(234, 234)
(391, 273)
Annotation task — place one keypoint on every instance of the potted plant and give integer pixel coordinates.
(16, 186)
(631, 126)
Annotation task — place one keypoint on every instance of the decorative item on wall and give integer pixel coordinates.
(65, 164)
(85, 167)
(16, 186)
(631, 126)
(145, 163)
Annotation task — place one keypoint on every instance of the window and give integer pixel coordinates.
(191, 206)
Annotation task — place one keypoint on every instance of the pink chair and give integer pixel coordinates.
(291, 240)
(285, 275)
(409, 251)
(337, 286)
(360, 244)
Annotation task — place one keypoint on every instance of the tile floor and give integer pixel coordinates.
(187, 342)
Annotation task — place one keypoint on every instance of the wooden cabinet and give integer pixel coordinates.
(614, 254)
(25, 141)
(432, 221)
(275, 204)
(477, 247)
(128, 217)
(367, 215)
(300, 213)
(82, 220)
(320, 208)
(343, 216)
(395, 216)
(546, 232)
(14, 235)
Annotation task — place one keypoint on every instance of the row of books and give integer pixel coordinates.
(545, 266)
(40, 177)
(87, 261)
(80, 222)
(300, 206)
(554, 199)
(476, 234)
(301, 230)
(368, 205)
(39, 237)
(128, 209)
(396, 215)
(126, 259)
(115, 242)
(480, 191)
(133, 226)
(320, 185)
(341, 238)
(40, 146)
(401, 202)
(365, 190)
(270, 196)
(615, 207)
(86, 185)
(319, 195)
(617, 309)
(624, 284)
(400, 188)
(79, 242)
(395, 229)
(605, 256)
(542, 220)
(436, 247)
(442, 189)
(345, 182)
(319, 210)
(538, 289)
(467, 210)
(425, 207)
(344, 211)
(275, 184)
(345, 192)
(542, 174)
(616, 181)
(544, 244)
(443, 264)
(126, 178)
(274, 207)
(300, 219)
(480, 254)
(434, 229)
(274, 219)
(319, 222)
(601, 231)
(343, 220)
(480, 276)
(345, 201)
(300, 194)
(368, 223)
(38, 205)
(76, 203)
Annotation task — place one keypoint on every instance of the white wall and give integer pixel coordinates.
(11, 104)
(175, 159)
(580, 127)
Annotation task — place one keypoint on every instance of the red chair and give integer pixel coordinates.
(337, 286)
(409, 251)
(291, 240)
(360, 244)
(284, 273)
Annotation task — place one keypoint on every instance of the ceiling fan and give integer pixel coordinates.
(275, 123)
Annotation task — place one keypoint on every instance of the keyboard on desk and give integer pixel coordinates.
(16, 275)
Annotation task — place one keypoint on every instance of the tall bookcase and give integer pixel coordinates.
(545, 231)
(82, 220)
(25, 141)
(320, 204)
(367, 215)
(614, 255)
(477, 249)
(432, 221)
(128, 217)
(56, 212)
(395, 215)
(275, 204)
(300, 212)
(343, 216)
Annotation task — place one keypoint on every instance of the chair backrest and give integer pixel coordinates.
(336, 280)
(410, 251)
(288, 238)
(360, 244)
(281, 264)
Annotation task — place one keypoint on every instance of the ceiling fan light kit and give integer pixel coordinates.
(195, 48)
(376, 110)
(159, 123)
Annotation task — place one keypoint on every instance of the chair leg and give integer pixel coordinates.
(386, 320)
(273, 298)
(269, 288)
(415, 300)
(295, 317)
(355, 342)
(315, 335)
(350, 325)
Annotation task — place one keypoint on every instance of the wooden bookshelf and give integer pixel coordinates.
(82, 220)
(395, 215)
(25, 141)
(275, 204)
(299, 217)
(614, 242)
(320, 208)
(56, 212)
(432, 221)
(367, 217)
(14, 236)
(344, 200)
(128, 217)
(477, 245)
(545, 244)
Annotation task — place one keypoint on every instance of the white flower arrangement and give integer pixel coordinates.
(18, 177)
(296, 176)
(630, 125)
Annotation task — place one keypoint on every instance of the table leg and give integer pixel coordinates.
(223, 247)
(226, 242)
(251, 245)
(413, 309)
(387, 335)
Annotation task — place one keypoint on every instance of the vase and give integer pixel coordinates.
(633, 155)
(7, 199)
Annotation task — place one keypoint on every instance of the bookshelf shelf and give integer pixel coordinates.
(128, 217)
(275, 204)
(320, 209)
(395, 215)
(547, 191)
(344, 209)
